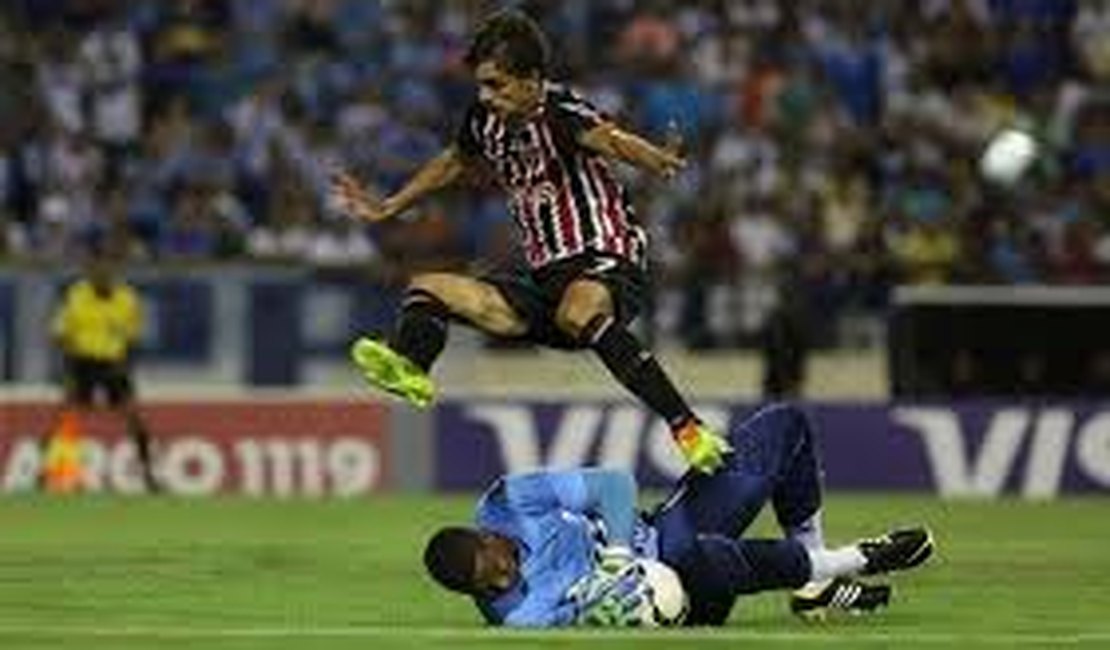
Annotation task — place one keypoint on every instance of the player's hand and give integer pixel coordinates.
(670, 165)
(673, 160)
(352, 198)
(704, 449)
(614, 558)
(611, 599)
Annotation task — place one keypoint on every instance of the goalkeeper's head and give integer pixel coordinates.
(472, 561)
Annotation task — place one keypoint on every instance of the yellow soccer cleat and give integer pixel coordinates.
(392, 372)
(703, 448)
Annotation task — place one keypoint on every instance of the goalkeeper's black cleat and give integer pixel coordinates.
(896, 551)
(818, 600)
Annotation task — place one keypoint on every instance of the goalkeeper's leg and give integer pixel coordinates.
(717, 569)
(775, 459)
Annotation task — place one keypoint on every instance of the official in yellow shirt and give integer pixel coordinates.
(96, 327)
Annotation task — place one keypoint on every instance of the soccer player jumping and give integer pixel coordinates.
(550, 150)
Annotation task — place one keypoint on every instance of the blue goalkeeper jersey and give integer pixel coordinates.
(558, 519)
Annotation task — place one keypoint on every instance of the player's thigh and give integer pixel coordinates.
(79, 381)
(119, 387)
(535, 303)
(724, 503)
(476, 301)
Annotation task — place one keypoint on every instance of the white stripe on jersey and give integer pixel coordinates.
(563, 214)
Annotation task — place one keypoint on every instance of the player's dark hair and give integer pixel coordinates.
(450, 555)
(513, 41)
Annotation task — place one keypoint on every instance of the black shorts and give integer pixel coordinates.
(535, 294)
(85, 377)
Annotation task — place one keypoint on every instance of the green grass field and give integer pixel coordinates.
(114, 573)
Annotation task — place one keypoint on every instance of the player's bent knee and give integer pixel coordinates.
(583, 302)
(786, 418)
(780, 411)
(574, 320)
(568, 324)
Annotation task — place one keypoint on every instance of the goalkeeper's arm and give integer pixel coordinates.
(607, 493)
(612, 495)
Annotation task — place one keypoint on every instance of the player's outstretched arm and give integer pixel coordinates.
(356, 200)
(613, 142)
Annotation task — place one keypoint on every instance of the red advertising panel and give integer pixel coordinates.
(256, 447)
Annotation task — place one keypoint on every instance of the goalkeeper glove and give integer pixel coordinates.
(611, 599)
(612, 559)
(703, 448)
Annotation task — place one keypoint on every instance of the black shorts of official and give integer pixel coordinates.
(535, 294)
(86, 378)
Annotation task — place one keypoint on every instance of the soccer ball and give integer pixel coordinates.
(1007, 156)
(667, 603)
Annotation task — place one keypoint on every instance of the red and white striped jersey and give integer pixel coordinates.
(564, 197)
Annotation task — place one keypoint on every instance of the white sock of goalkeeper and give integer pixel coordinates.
(809, 533)
(827, 563)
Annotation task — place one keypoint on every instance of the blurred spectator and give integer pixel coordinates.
(764, 243)
(340, 243)
(204, 129)
(1089, 30)
(706, 266)
(205, 223)
(650, 39)
(185, 40)
(785, 341)
(290, 231)
(927, 252)
(110, 65)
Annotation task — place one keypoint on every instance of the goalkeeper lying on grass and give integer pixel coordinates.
(558, 548)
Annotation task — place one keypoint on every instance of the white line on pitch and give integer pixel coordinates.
(494, 635)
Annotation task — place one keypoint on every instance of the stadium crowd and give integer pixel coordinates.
(833, 142)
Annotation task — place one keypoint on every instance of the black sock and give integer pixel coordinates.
(141, 437)
(637, 369)
(421, 328)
